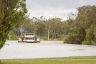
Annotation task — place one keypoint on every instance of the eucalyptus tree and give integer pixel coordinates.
(12, 12)
(83, 29)
(86, 19)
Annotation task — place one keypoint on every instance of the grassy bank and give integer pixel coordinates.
(70, 60)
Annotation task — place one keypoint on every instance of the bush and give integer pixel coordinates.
(13, 36)
(89, 39)
(44, 37)
(71, 39)
(60, 37)
(90, 34)
(86, 43)
(75, 36)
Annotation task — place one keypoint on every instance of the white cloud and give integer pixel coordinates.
(55, 8)
(87, 2)
(51, 13)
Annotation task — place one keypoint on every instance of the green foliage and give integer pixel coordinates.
(86, 16)
(13, 36)
(86, 42)
(43, 37)
(85, 33)
(3, 37)
(89, 39)
(81, 30)
(41, 26)
(89, 35)
(75, 36)
(12, 13)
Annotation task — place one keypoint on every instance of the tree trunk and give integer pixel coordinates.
(49, 32)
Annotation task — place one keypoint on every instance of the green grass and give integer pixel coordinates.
(66, 60)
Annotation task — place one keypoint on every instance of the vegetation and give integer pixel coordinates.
(12, 36)
(12, 12)
(86, 19)
(66, 60)
(81, 30)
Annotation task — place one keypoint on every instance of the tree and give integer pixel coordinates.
(89, 39)
(75, 36)
(12, 12)
(83, 29)
(54, 27)
(86, 18)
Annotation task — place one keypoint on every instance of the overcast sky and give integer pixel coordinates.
(55, 8)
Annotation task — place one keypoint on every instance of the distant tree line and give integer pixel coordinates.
(81, 30)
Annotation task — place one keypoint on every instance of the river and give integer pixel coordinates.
(44, 49)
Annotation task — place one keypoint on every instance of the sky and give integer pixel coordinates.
(55, 8)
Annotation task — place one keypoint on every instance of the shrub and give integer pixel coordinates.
(86, 43)
(75, 36)
(13, 36)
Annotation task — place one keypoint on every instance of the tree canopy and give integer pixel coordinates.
(12, 12)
